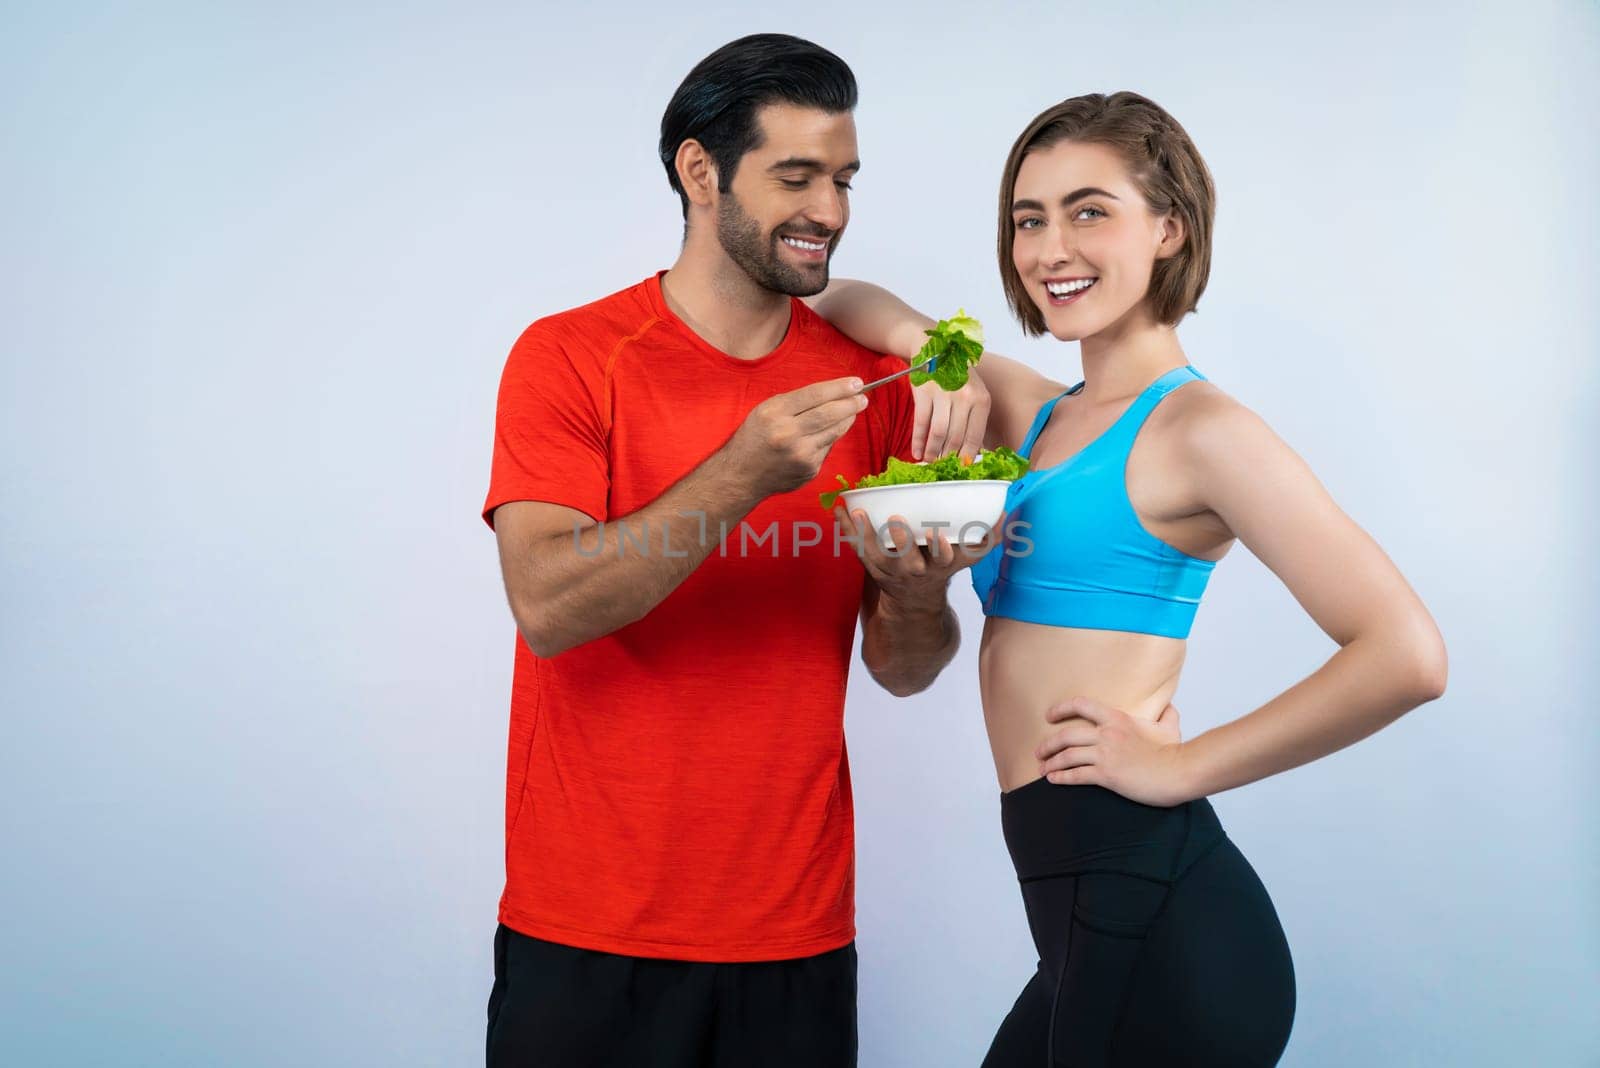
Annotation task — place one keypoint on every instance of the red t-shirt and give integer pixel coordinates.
(679, 788)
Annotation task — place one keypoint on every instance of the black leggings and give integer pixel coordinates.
(1157, 943)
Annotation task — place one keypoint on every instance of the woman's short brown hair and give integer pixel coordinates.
(1164, 165)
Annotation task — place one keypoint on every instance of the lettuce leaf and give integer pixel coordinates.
(998, 462)
(954, 345)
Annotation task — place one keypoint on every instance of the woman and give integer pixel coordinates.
(1158, 944)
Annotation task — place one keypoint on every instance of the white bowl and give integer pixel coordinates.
(968, 508)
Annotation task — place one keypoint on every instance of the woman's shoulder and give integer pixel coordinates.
(1200, 406)
(1202, 421)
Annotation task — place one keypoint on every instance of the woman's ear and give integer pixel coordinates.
(696, 172)
(1171, 233)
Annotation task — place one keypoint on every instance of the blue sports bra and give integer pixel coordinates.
(1085, 560)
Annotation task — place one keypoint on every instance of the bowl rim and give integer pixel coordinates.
(943, 482)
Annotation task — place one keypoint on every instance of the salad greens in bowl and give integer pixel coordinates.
(962, 497)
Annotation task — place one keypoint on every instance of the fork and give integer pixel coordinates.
(928, 363)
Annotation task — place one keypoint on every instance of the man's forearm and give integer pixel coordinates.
(594, 580)
(906, 646)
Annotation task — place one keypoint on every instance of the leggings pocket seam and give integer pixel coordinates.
(1112, 928)
(1133, 974)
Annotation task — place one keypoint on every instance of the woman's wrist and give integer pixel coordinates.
(1195, 774)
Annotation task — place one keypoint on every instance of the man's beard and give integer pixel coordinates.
(758, 256)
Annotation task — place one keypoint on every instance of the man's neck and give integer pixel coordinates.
(718, 301)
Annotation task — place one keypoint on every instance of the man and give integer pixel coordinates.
(679, 842)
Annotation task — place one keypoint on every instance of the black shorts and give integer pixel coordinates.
(556, 1006)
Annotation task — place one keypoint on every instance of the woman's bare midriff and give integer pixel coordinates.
(1025, 668)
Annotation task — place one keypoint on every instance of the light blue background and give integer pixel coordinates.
(262, 266)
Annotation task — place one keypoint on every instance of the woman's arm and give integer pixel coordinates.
(1391, 657)
(872, 316)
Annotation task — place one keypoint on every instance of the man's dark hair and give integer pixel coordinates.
(717, 103)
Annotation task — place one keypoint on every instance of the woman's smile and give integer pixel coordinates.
(1059, 292)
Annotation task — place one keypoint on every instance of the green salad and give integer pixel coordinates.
(954, 345)
(998, 462)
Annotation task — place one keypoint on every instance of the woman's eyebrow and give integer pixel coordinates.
(1066, 201)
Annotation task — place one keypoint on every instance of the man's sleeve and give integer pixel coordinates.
(550, 437)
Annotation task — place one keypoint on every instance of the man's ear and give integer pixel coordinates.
(696, 172)
(1172, 236)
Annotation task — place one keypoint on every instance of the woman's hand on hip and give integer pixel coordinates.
(1105, 746)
